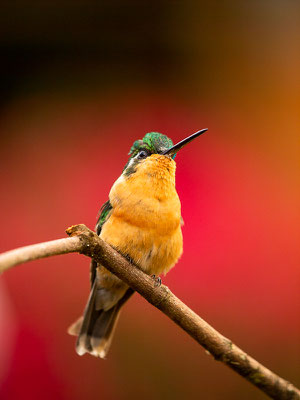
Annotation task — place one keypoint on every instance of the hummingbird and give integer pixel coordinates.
(142, 221)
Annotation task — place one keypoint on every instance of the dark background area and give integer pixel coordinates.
(80, 81)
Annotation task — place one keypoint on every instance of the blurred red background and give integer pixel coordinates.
(79, 84)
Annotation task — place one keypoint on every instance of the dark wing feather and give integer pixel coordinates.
(104, 214)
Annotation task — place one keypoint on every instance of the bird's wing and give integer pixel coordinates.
(104, 214)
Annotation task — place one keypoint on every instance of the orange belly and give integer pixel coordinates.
(153, 252)
(145, 223)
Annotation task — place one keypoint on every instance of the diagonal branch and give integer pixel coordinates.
(86, 242)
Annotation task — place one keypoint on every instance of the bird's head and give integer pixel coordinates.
(154, 147)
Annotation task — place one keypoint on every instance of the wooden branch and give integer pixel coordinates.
(86, 242)
(40, 250)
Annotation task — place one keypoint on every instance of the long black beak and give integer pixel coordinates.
(178, 146)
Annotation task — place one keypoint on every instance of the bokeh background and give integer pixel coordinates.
(80, 81)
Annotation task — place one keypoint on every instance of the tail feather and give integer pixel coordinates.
(74, 329)
(90, 316)
(103, 331)
(96, 328)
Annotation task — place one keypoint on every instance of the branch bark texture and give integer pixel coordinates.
(86, 242)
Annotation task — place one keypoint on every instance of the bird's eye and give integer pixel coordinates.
(143, 154)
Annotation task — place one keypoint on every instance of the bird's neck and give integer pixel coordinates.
(154, 179)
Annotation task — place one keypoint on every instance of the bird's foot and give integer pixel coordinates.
(157, 280)
(128, 258)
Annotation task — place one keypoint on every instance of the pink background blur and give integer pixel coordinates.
(79, 84)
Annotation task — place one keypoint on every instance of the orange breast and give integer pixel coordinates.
(145, 220)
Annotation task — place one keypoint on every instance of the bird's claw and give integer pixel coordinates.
(157, 280)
